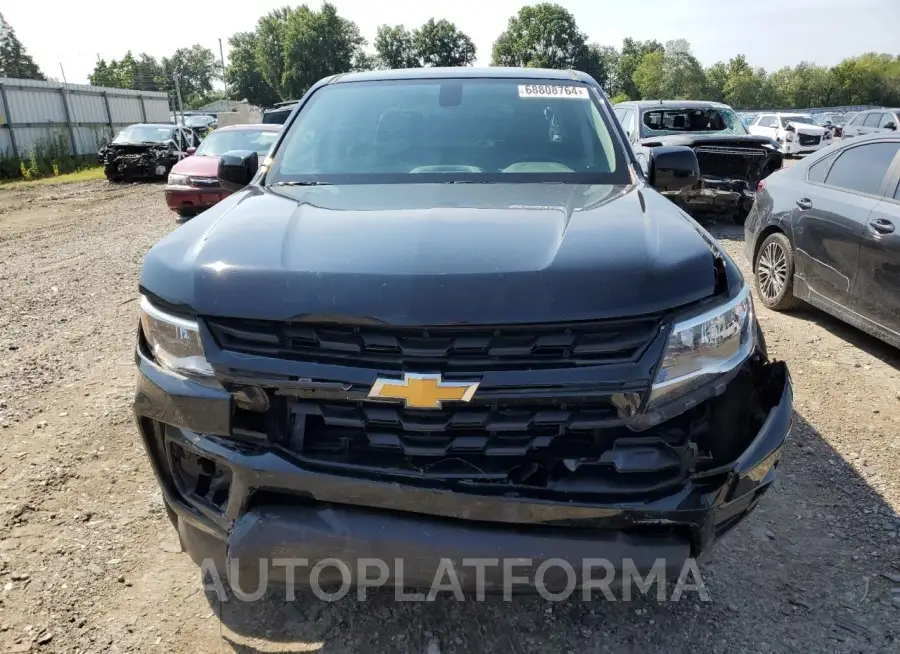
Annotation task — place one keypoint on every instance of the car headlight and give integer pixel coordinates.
(704, 347)
(178, 180)
(174, 341)
(789, 136)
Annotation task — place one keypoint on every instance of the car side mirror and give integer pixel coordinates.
(890, 125)
(237, 168)
(673, 167)
(191, 150)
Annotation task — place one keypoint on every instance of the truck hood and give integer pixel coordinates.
(691, 140)
(435, 254)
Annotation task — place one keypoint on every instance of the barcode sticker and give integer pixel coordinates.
(553, 91)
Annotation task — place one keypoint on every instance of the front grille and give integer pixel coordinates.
(808, 139)
(206, 182)
(550, 444)
(438, 349)
(735, 151)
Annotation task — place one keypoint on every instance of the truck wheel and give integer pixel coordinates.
(774, 273)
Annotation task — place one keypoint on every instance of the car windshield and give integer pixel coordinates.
(222, 141)
(806, 120)
(451, 130)
(675, 120)
(144, 134)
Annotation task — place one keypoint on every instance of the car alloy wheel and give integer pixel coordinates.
(772, 271)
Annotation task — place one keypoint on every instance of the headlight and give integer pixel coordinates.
(178, 180)
(174, 341)
(705, 346)
(789, 136)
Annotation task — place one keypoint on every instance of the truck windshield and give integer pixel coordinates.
(674, 120)
(459, 130)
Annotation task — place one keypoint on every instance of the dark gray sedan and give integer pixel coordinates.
(827, 231)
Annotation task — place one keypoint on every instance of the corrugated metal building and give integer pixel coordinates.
(34, 112)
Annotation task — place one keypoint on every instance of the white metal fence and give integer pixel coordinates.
(34, 112)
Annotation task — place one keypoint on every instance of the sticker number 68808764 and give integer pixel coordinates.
(552, 91)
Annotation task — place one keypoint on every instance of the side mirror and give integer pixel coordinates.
(237, 168)
(890, 125)
(790, 128)
(673, 167)
(191, 150)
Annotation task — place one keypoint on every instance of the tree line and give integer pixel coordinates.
(292, 47)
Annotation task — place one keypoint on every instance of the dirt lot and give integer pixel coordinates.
(89, 562)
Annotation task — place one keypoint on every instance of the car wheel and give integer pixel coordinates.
(774, 273)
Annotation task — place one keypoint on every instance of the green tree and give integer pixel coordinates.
(195, 68)
(394, 47)
(143, 73)
(269, 45)
(682, 74)
(743, 85)
(541, 36)
(629, 58)
(317, 44)
(871, 78)
(602, 63)
(103, 75)
(244, 79)
(648, 77)
(14, 58)
(440, 43)
(715, 82)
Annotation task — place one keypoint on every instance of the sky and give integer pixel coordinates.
(770, 33)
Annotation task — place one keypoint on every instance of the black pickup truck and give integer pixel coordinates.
(732, 161)
(450, 317)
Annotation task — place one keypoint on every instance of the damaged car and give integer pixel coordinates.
(451, 318)
(146, 151)
(795, 133)
(732, 161)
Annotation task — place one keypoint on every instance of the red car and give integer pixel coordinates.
(192, 185)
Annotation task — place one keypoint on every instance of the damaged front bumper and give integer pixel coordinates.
(715, 195)
(136, 161)
(243, 502)
(729, 176)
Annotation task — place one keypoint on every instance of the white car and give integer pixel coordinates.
(795, 133)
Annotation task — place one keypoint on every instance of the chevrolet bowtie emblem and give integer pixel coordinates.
(422, 391)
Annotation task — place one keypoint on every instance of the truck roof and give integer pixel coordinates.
(462, 72)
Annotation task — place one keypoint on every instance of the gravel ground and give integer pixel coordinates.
(89, 563)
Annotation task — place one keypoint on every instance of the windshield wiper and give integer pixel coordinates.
(299, 183)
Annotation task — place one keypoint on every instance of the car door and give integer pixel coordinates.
(765, 125)
(877, 292)
(833, 207)
(889, 122)
(871, 123)
(852, 128)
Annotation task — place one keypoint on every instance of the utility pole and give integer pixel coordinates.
(222, 57)
(62, 70)
(178, 94)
